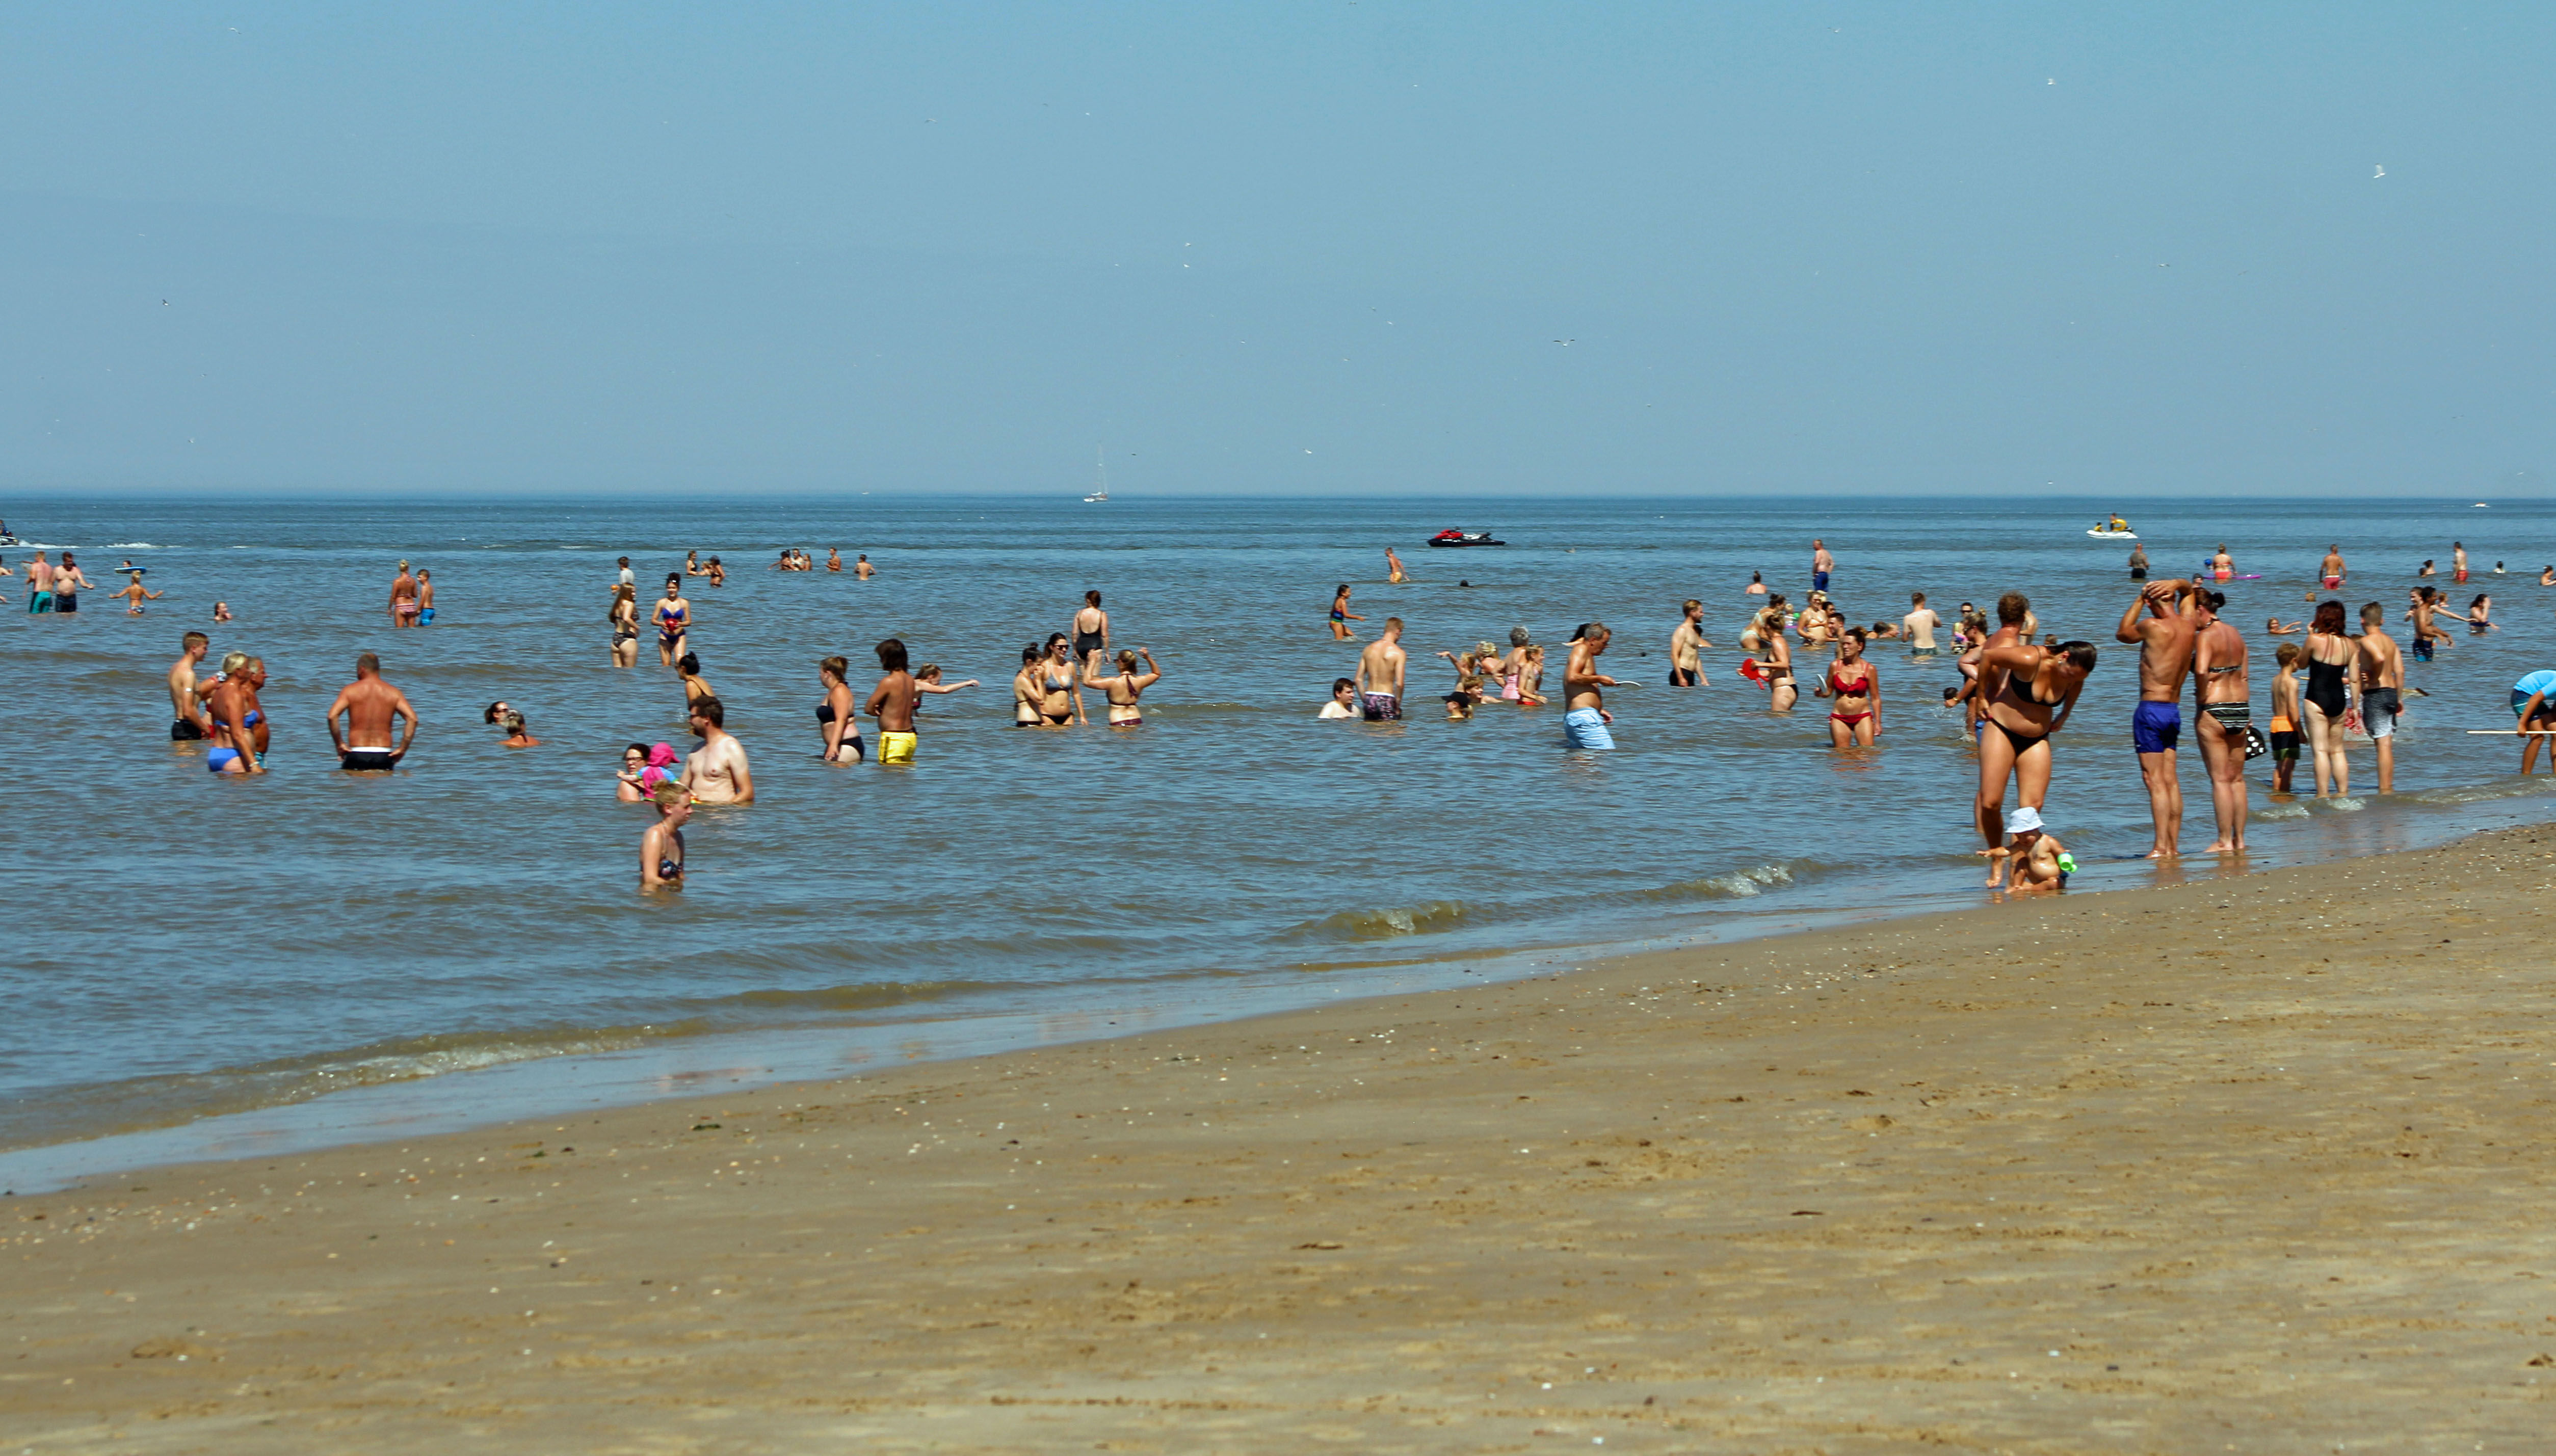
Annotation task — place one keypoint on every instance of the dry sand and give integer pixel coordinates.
(2253, 1165)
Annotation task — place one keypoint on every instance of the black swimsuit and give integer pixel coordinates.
(2019, 696)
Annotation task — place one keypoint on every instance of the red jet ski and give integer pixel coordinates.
(1466, 538)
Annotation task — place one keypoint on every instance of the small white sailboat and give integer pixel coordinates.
(1101, 478)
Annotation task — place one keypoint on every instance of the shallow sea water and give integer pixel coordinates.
(190, 946)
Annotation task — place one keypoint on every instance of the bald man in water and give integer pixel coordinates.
(369, 705)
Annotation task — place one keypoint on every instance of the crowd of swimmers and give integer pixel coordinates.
(2018, 688)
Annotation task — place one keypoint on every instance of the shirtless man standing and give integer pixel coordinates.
(1921, 623)
(39, 584)
(1585, 724)
(424, 598)
(68, 578)
(2331, 572)
(1393, 567)
(1822, 564)
(2457, 562)
(1380, 674)
(2224, 711)
(892, 703)
(862, 568)
(1686, 644)
(238, 722)
(717, 772)
(190, 725)
(369, 705)
(403, 603)
(2164, 637)
(2382, 689)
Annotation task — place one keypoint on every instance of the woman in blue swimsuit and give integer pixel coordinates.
(674, 622)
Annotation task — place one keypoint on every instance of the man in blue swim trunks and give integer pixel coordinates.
(1822, 564)
(2165, 641)
(1584, 726)
(2533, 702)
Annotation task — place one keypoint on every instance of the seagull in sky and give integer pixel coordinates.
(1565, 343)
(2375, 176)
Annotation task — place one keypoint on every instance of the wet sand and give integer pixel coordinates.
(2259, 1164)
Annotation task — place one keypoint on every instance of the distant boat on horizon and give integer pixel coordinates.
(1100, 477)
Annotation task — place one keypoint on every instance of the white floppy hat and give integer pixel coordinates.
(2023, 821)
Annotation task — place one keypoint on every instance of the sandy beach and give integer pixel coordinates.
(2254, 1165)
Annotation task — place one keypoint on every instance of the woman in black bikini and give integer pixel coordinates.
(837, 719)
(2039, 693)
(1855, 686)
(2322, 700)
(626, 627)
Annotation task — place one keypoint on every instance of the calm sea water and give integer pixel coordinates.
(187, 944)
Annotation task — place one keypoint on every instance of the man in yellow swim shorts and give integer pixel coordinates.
(892, 703)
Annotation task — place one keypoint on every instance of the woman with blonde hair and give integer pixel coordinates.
(1129, 684)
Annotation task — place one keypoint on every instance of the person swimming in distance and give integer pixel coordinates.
(221, 611)
(1123, 689)
(839, 724)
(1756, 584)
(2278, 627)
(517, 735)
(661, 849)
(834, 558)
(1343, 703)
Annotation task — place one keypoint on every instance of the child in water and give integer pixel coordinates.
(661, 850)
(2036, 860)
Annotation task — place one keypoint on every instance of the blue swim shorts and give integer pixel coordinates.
(1586, 728)
(2155, 727)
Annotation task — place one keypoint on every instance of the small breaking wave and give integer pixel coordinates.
(1425, 918)
(1737, 885)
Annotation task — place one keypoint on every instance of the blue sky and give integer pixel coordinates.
(1322, 247)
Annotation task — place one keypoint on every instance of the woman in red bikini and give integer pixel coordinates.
(1854, 686)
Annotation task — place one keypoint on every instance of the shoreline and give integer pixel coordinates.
(2263, 1172)
(565, 1083)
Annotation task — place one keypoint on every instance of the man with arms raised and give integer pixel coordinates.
(2224, 710)
(370, 704)
(2382, 688)
(2164, 637)
(190, 725)
(1585, 724)
(716, 771)
(1380, 670)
